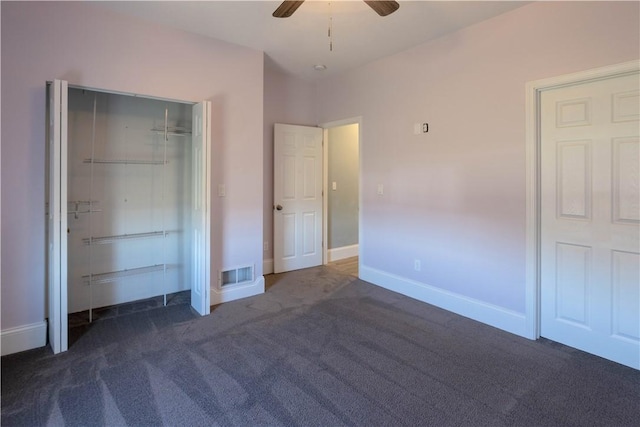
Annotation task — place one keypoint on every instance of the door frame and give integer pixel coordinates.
(533, 176)
(325, 185)
(59, 294)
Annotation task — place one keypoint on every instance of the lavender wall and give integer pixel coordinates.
(89, 46)
(286, 100)
(454, 198)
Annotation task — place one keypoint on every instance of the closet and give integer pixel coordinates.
(128, 201)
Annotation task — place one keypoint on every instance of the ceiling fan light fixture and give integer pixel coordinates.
(381, 7)
(287, 8)
(319, 67)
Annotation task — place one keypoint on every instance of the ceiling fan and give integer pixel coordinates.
(382, 8)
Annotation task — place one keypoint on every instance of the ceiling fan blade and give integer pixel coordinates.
(382, 8)
(287, 8)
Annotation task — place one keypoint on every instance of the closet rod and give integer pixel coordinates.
(125, 162)
(115, 238)
(112, 276)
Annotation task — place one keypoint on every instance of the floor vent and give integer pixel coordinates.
(236, 276)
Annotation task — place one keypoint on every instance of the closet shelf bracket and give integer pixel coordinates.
(173, 131)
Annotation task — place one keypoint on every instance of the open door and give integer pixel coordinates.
(57, 219)
(297, 228)
(200, 224)
(342, 191)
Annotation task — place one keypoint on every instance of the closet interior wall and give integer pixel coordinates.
(129, 192)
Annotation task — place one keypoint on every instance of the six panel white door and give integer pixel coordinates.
(297, 227)
(590, 218)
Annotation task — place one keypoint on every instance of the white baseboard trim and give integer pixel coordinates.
(234, 292)
(343, 252)
(267, 266)
(21, 338)
(490, 314)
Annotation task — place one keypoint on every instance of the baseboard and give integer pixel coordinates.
(490, 314)
(21, 338)
(234, 292)
(343, 252)
(267, 266)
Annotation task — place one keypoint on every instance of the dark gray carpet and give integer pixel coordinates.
(320, 348)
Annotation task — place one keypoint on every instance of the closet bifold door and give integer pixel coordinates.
(57, 93)
(200, 210)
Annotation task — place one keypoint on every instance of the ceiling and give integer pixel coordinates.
(298, 43)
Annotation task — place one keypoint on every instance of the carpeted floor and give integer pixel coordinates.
(319, 348)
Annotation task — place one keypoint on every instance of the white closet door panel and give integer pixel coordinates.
(626, 187)
(57, 275)
(200, 225)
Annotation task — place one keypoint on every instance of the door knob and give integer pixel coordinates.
(279, 207)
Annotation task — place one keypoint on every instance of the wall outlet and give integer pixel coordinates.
(380, 189)
(266, 246)
(416, 265)
(222, 190)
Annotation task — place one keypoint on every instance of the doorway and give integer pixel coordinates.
(301, 195)
(128, 202)
(342, 156)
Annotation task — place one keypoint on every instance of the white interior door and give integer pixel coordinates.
(57, 226)
(297, 228)
(200, 222)
(590, 218)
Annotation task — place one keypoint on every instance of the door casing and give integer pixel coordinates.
(533, 175)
